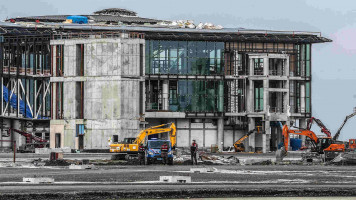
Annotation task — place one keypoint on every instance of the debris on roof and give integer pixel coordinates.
(190, 24)
(116, 12)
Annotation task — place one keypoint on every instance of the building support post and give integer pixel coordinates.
(251, 138)
(221, 133)
(266, 135)
(165, 95)
(303, 125)
(302, 97)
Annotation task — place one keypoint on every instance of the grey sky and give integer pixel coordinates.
(334, 66)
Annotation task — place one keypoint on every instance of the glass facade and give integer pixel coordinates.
(307, 97)
(258, 96)
(301, 64)
(200, 96)
(184, 57)
(186, 96)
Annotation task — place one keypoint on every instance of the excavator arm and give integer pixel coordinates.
(337, 134)
(239, 141)
(286, 131)
(28, 136)
(320, 124)
(158, 130)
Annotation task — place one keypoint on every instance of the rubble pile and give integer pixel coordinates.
(190, 24)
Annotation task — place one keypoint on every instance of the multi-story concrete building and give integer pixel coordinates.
(111, 81)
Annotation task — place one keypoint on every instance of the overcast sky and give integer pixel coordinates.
(334, 64)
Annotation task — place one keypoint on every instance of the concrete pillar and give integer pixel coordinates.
(303, 124)
(165, 95)
(251, 67)
(251, 139)
(266, 95)
(264, 137)
(221, 133)
(20, 140)
(265, 66)
(302, 97)
(286, 66)
(250, 101)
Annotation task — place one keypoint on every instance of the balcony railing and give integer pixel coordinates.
(258, 72)
(276, 73)
(276, 110)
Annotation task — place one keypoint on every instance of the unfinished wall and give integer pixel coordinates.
(107, 92)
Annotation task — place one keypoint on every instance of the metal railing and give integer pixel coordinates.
(258, 72)
(276, 72)
(276, 110)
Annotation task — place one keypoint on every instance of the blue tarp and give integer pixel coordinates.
(295, 143)
(13, 103)
(78, 19)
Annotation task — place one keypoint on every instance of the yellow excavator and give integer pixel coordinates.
(129, 147)
(239, 146)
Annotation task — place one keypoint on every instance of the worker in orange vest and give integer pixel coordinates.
(164, 152)
(193, 152)
(141, 153)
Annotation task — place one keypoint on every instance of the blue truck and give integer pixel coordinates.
(153, 151)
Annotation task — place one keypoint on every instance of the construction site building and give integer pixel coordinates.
(107, 82)
(25, 82)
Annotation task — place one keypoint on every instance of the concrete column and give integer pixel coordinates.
(251, 139)
(303, 124)
(286, 104)
(54, 60)
(251, 67)
(250, 101)
(20, 140)
(165, 95)
(265, 95)
(302, 98)
(286, 66)
(221, 134)
(265, 66)
(264, 137)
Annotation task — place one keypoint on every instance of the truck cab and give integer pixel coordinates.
(153, 151)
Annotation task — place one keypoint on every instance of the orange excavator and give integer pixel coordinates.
(351, 144)
(324, 145)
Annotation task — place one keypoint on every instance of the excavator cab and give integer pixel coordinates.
(129, 140)
(240, 147)
(323, 144)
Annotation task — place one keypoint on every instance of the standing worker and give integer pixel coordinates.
(164, 152)
(141, 153)
(193, 152)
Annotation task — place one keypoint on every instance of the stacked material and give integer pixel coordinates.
(190, 24)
